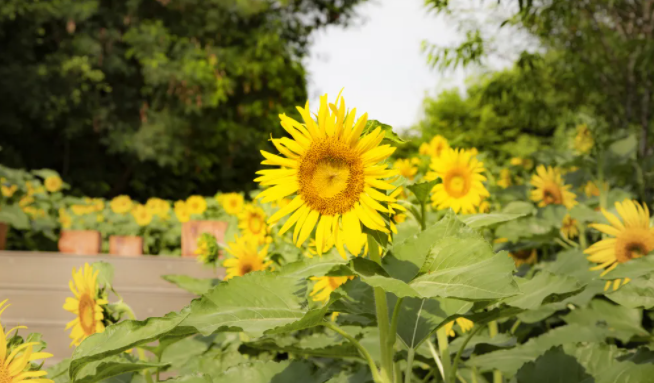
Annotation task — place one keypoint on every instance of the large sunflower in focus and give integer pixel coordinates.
(246, 257)
(462, 188)
(86, 305)
(334, 172)
(550, 189)
(633, 237)
(15, 366)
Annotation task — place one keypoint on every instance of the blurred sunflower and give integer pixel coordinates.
(633, 237)
(142, 215)
(583, 139)
(121, 204)
(505, 178)
(6, 189)
(462, 188)
(334, 169)
(232, 203)
(435, 147)
(325, 286)
(181, 212)
(252, 222)
(207, 249)
(246, 257)
(465, 324)
(405, 168)
(53, 184)
(87, 305)
(524, 257)
(569, 227)
(65, 219)
(196, 204)
(484, 207)
(157, 206)
(549, 188)
(592, 190)
(15, 366)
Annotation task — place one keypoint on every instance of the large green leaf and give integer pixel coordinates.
(192, 378)
(362, 375)
(120, 337)
(14, 217)
(501, 340)
(509, 361)
(555, 366)
(477, 221)
(616, 321)
(543, 288)
(269, 372)
(197, 286)
(179, 353)
(316, 266)
(632, 269)
(607, 364)
(112, 366)
(638, 293)
(422, 190)
(316, 345)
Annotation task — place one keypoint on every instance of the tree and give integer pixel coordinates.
(166, 97)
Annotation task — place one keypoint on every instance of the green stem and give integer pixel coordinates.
(408, 374)
(423, 217)
(364, 353)
(600, 178)
(394, 320)
(582, 236)
(515, 326)
(437, 359)
(492, 331)
(457, 358)
(381, 306)
(443, 347)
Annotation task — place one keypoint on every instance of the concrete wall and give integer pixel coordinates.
(36, 284)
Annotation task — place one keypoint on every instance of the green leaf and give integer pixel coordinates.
(59, 372)
(112, 366)
(120, 337)
(422, 190)
(361, 376)
(638, 293)
(509, 361)
(329, 348)
(616, 321)
(572, 263)
(608, 364)
(316, 266)
(197, 286)
(632, 269)
(179, 353)
(389, 137)
(267, 372)
(527, 227)
(500, 340)
(554, 366)
(543, 288)
(106, 272)
(192, 378)
(255, 303)
(477, 221)
(519, 207)
(625, 147)
(13, 216)
(583, 213)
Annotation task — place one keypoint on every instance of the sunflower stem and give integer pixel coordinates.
(408, 374)
(381, 306)
(437, 359)
(423, 217)
(457, 358)
(366, 355)
(493, 330)
(443, 347)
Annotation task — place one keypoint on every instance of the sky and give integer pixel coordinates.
(379, 61)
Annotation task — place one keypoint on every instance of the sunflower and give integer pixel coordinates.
(435, 147)
(526, 163)
(142, 215)
(181, 212)
(505, 178)
(252, 222)
(246, 257)
(335, 172)
(8, 190)
(583, 139)
(15, 366)
(465, 324)
(207, 250)
(232, 203)
(53, 184)
(196, 204)
(65, 219)
(462, 188)
(592, 190)
(121, 204)
(325, 286)
(87, 305)
(484, 207)
(157, 206)
(405, 168)
(633, 236)
(326, 246)
(524, 257)
(569, 227)
(550, 189)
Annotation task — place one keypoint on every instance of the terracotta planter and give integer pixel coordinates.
(126, 245)
(81, 242)
(191, 230)
(4, 229)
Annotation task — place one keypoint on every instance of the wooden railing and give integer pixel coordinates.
(36, 284)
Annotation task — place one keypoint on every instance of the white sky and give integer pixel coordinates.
(379, 61)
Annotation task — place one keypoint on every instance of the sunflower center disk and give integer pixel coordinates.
(331, 177)
(633, 243)
(552, 195)
(255, 224)
(457, 183)
(246, 268)
(87, 314)
(4, 375)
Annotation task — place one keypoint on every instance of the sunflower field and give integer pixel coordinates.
(352, 265)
